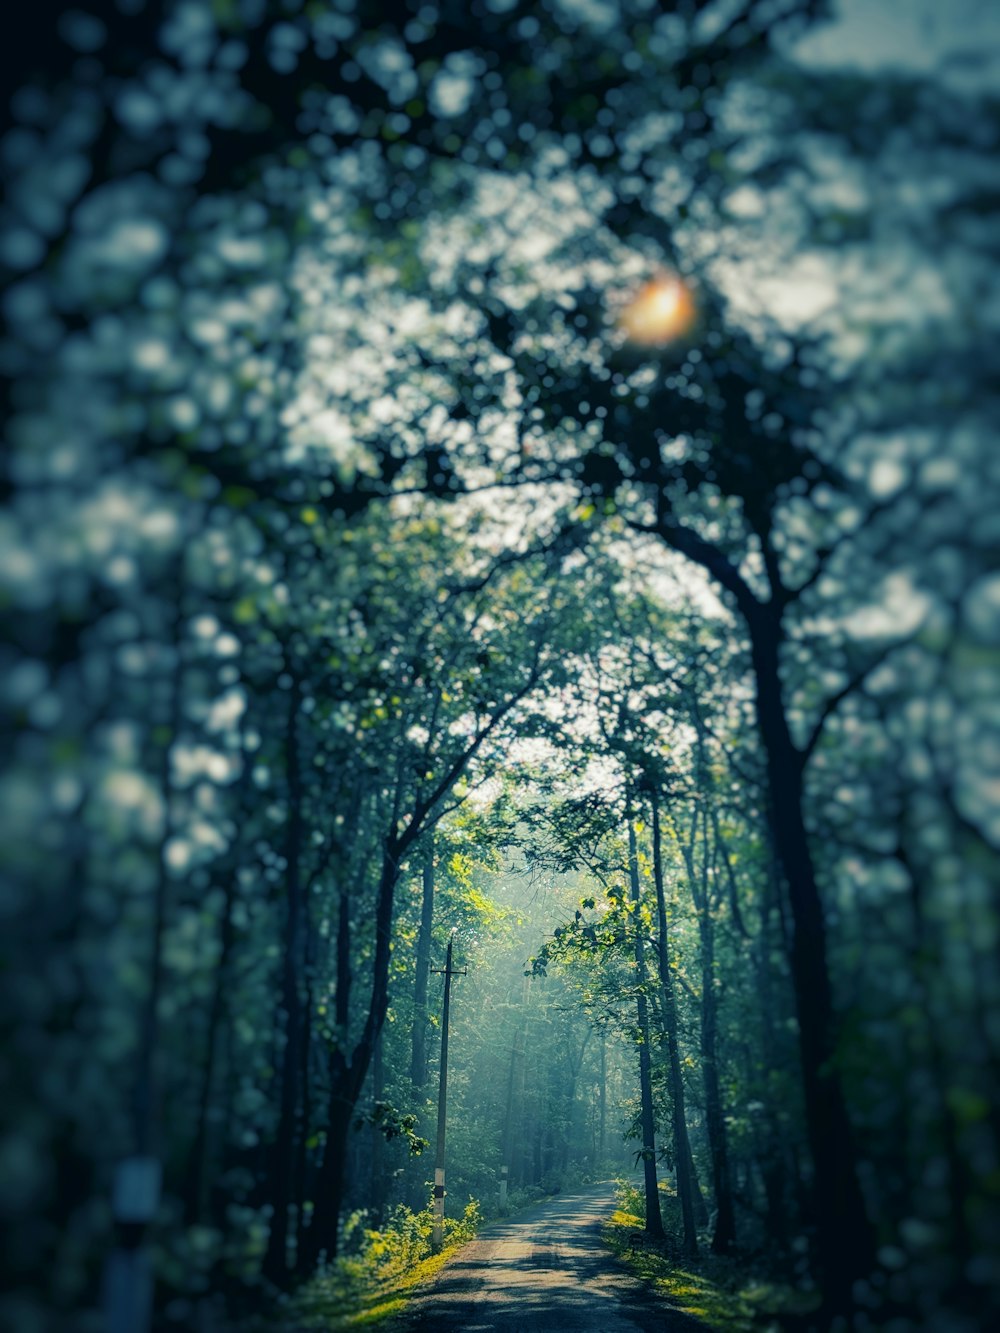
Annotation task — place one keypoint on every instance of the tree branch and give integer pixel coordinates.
(679, 537)
(835, 700)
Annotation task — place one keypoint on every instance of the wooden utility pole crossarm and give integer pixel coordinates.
(437, 1234)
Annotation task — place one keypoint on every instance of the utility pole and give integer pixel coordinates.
(437, 1233)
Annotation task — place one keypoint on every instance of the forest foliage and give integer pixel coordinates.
(370, 575)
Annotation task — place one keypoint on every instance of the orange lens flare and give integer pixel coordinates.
(662, 311)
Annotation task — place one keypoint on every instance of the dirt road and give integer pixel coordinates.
(544, 1271)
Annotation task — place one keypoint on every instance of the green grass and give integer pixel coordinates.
(721, 1293)
(369, 1288)
(330, 1304)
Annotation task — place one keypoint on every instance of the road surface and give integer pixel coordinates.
(544, 1271)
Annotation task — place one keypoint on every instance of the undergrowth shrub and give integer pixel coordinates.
(405, 1238)
(378, 1259)
(632, 1200)
(399, 1245)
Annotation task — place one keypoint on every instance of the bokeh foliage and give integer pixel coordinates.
(283, 281)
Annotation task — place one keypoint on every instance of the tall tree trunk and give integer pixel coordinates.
(145, 1098)
(507, 1134)
(322, 1233)
(845, 1243)
(682, 1144)
(347, 1074)
(724, 1233)
(310, 952)
(376, 1163)
(845, 1239)
(568, 1089)
(654, 1217)
(603, 1101)
(960, 1185)
(522, 1088)
(418, 1041)
(345, 1088)
(348, 1071)
(299, 1182)
(776, 1154)
(773, 1157)
(283, 1155)
(196, 1191)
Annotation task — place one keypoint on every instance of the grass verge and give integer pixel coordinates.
(720, 1293)
(326, 1305)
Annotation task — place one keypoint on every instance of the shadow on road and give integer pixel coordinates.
(545, 1271)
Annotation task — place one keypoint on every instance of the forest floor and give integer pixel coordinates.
(722, 1294)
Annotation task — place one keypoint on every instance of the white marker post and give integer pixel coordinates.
(128, 1275)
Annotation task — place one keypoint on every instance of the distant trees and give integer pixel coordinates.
(435, 672)
(643, 724)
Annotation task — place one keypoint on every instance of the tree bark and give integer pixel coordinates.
(347, 1074)
(682, 1146)
(724, 1233)
(146, 1093)
(283, 1155)
(603, 1101)
(775, 1154)
(654, 1216)
(845, 1240)
(522, 1157)
(196, 1193)
(301, 1174)
(418, 1040)
(376, 1164)
(845, 1248)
